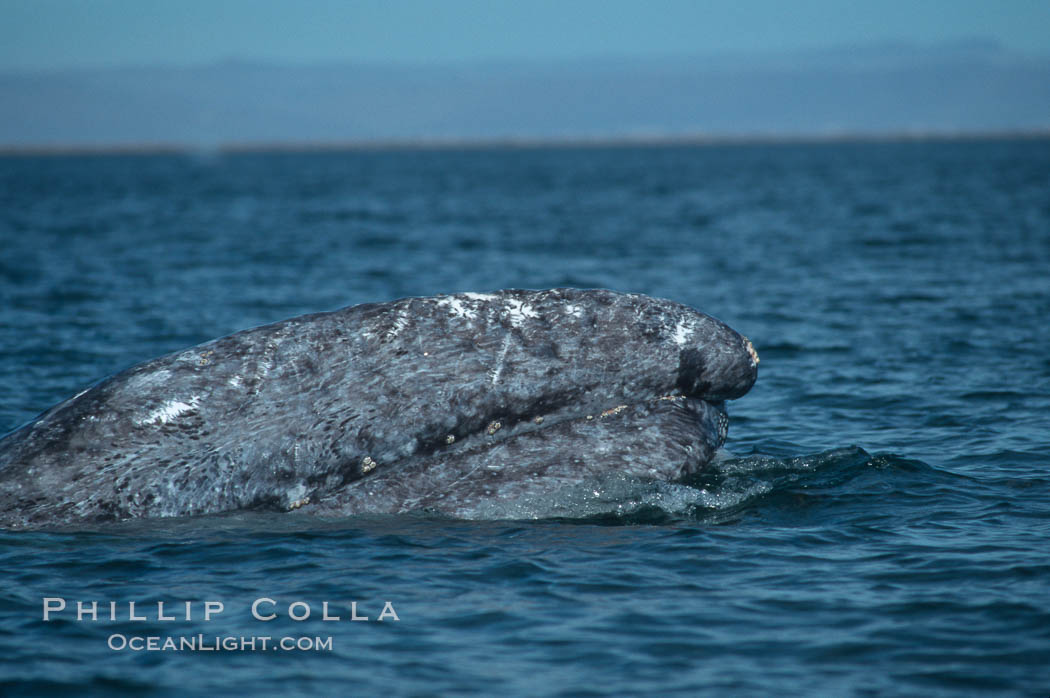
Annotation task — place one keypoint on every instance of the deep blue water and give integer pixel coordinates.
(883, 524)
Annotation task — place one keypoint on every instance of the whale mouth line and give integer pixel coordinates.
(498, 429)
(552, 419)
(666, 437)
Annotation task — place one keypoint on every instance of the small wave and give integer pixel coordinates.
(992, 395)
(733, 487)
(728, 487)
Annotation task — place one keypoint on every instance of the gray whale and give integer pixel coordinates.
(438, 403)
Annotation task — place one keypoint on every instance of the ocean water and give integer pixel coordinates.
(880, 524)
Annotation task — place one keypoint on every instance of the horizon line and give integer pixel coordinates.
(517, 143)
(978, 41)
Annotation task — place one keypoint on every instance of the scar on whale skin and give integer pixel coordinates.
(444, 402)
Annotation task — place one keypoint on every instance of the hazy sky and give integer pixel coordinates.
(46, 34)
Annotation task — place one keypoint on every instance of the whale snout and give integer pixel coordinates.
(724, 373)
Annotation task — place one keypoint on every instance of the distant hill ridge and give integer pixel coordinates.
(959, 88)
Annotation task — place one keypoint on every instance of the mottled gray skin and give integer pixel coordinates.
(423, 402)
(661, 439)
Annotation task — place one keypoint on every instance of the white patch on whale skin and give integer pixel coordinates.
(172, 409)
(296, 494)
(479, 296)
(573, 310)
(458, 308)
(400, 323)
(519, 311)
(235, 381)
(682, 333)
(497, 370)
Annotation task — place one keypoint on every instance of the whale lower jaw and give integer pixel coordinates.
(664, 438)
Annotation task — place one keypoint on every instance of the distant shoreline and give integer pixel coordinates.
(467, 144)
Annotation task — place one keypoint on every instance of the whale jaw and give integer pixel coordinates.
(662, 439)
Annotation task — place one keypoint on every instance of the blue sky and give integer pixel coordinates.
(50, 34)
